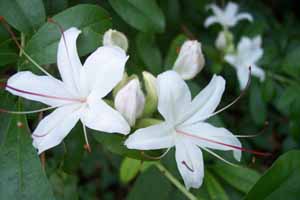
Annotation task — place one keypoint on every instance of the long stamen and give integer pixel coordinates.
(87, 145)
(4, 85)
(155, 157)
(219, 157)
(14, 38)
(27, 112)
(230, 104)
(224, 144)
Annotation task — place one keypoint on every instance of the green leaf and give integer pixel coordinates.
(214, 188)
(257, 105)
(21, 173)
(24, 15)
(144, 15)
(64, 186)
(8, 53)
(281, 181)
(239, 177)
(92, 20)
(149, 52)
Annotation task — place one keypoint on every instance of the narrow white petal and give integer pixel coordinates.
(158, 136)
(197, 133)
(55, 127)
(258, 72)
(216, 9)
(37, 88)
(174, 96)
(104, 69)
(244, 16)
(231, 9)
(68, 61)
(189, 163)
(231, 59)
(243, 76)
(101, 117)
(206, 101)
(211, 20)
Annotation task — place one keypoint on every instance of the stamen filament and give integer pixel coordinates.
(27, 112)
(187, 166)
(219, 157)
(224, 144)
(155, 157)
(87, 145)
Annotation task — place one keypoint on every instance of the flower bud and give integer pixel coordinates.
(224, 42)
(190, 60)
(115, 38)
(130, 101)
(151, 97)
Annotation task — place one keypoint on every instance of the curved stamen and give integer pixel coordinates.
(87, 145)
(4, 85)
(224, 144)
(155, 157)
(27, 112)
(14, 38)
(230, 104)
(219, 157)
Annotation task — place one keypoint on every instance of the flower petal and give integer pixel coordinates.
(37, 88)
(206, 101)
(243, 76)
(211, 20)
(158, 136)
(101, 117)
(104, 69)
(173, 95)
(198, 132)
(258, 72)
(55, 127)
(231, 10)
(68, 61)
(242, 16)
(189, 163)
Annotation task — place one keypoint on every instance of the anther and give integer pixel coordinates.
(20, 124)
(186, 165)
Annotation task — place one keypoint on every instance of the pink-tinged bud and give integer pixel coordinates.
(190, 60)
(130, 101)
(115, 38)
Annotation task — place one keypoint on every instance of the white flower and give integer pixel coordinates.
(249, 51)
(221, 41)
(130, 101)
(78, 96)
(115, 38)
(190, 60)
(227, 17)
(185, 127)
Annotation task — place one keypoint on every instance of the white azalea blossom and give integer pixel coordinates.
(78, 96)
(190, 60)
(227, 17)
(249, 51)
(130, 101)
(185, 128)
(115, 38)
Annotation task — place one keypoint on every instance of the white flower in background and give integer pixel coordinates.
(221, 41)
(78, 96)
(227, 17)
(249, 51)
(115, 38)
(130, 101)
(185, 127)
(190, 60)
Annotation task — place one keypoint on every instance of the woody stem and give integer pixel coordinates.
(174, 181)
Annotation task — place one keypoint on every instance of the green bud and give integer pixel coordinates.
(145, 122)
(151, 94)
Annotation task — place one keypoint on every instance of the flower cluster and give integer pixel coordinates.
(248, 51)
(81, 95)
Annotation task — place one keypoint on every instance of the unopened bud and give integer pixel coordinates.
(151, 94)
(115, 38)
(130, 101)
(190, 60)
(224, 42)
